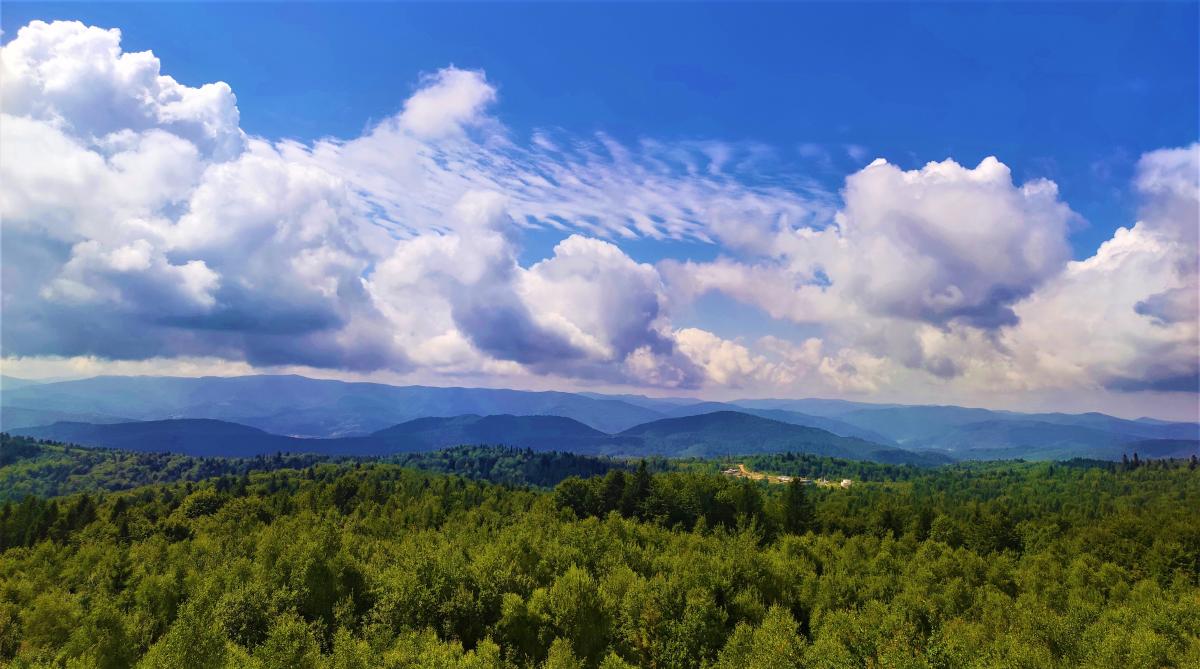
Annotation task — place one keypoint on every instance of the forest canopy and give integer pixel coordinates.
(365, 563)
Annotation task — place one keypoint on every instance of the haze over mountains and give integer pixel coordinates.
(300, 406)
(293, 413)
(708, 435)
(203, 437)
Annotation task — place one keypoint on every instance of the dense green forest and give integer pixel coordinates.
(516, 466)
(367, 563)
(47, 468)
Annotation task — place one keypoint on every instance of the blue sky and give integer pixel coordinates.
(780, 108)
(1071, 92)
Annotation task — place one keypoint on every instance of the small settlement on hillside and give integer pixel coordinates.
(740, 471)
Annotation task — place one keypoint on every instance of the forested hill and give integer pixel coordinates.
(517, 466)
(48, 469)
(371, 564)
(298, 405)
(715, 434)
(727, 433)
(709, 435)
(200, 437)
(29, 467)
(534, 432)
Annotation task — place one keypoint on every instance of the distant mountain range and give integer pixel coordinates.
(981, 434)
(194, 436)
(708, 435)
(724, 433)
(12, 382)
(833, 425)
(540, 433)
(324, 412)
(300, 406)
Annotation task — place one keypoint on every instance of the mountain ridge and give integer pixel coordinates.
(707, 435)
(299, 406)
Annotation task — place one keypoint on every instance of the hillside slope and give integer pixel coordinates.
(540, 433)
(983, 434)
(838, 427)
(297, 405)
(707, 435)
(312, 408)
(194, 436)
(725, 433)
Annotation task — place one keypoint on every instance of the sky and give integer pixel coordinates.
(993, 205)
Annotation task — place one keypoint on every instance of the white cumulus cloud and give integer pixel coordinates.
(140, 223)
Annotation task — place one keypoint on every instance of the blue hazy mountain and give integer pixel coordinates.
(1038, 440)
(812, 406)
(662, 404)
(838, 427)
(12, 418)
(540, 433)
(194, 436)
(1104, 422)
(724, 433)
(916, 423)
(1030, 436)
(299, 406)
(12, 382)
(707, 435)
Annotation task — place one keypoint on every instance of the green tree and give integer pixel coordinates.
(245, 614)
(193, 641)
(612, 491)
(102, 640)
(797, 510)
(575, 609)
(637, 491)
(290, 644)
(774, 644)
(561, 657)
(50, 618)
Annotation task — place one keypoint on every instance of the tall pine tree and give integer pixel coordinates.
(797, 508)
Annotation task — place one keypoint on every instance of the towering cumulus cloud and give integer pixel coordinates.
(1126, 318)
(964, 275)
(943, 248)
(141, 223)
